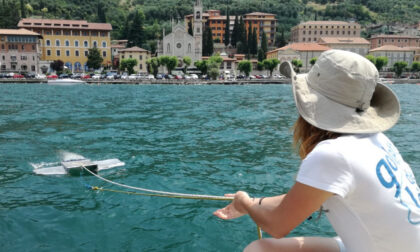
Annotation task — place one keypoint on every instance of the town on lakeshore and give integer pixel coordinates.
(203, 45)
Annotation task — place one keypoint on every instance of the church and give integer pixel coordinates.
(180, 43)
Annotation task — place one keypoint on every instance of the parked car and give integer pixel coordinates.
(85, 76)
(133, 77)
(159, 76)
(194, 76)
(169, 76)
(30, 75)
(76, 76)
(124, 76)
(18, 76)
(52, 76)
(96, 77)
(178, 77)
(40, 76)
(2, 75)
(150, 77)
(63, 76)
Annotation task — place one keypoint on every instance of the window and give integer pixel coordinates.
(95, 44)
(198, 29)
(33, 47)
(326, 32)
(23, 57)
(104, 54)
(33, 68)
(67, 43)
(76, 43)
(58, 53)
(58, 33)
(189, 47)
(103, 44)
(85, 44)
(95, 34)
(141, 57)
(48, 52)
(2, 46)
(48, 42)
(168, 48)
(131, 56)
(67, 53)
(76, 53)
(86, 53)
(85, 33)
(141, 66)
(57, 42)
(304, 32)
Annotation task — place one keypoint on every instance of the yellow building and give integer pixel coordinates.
(70, 40)
(140, 54)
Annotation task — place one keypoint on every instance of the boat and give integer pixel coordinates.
(65, 82)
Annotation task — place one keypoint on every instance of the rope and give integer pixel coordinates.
(156, 193)
(163, 193)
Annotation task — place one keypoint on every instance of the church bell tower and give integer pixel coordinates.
(198, 29)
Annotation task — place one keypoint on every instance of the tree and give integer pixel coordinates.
(234, 36)
(227, 29)
(264, 43)
(313, 60)
(380, 62)
(415, 66)
(254, 42)
(128, 65)
(371, 58)
(270, 65)
(135, 27)
(153, 66)
(44, 11)
(201, 65)
(261, 55)
(94, 58)
(22, 9)
(101, 13)
(187, 62)
(57, 66)
(207, 42)
(169, 61)
(245, 66)
(298, 64)
(190, 28)
(213, 65)
(399, 67)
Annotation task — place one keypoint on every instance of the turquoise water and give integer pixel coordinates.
(190, 139)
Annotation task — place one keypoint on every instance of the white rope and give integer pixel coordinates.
(198, 196)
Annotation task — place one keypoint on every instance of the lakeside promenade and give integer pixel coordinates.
(187, 82)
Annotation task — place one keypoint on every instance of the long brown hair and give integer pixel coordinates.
(306, 136)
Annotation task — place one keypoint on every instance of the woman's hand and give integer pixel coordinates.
(235, 209)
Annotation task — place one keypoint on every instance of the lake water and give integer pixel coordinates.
(191, 139)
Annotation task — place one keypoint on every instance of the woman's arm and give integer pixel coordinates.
(280, 214)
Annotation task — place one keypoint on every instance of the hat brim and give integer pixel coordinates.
(326, 114)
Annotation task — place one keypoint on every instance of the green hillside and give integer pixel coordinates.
(156, 14)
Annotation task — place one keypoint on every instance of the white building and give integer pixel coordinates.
(394, 54)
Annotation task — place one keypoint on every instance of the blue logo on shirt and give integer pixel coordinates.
(393, 172)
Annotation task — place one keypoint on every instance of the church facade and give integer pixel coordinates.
(180, 43)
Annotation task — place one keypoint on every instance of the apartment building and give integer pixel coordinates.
(395, 40)
(70, 40)
(140, 54)
(260, 21)
(394, 54)
(19, 51)
(300, 51)
(312, 31)
(357, 45)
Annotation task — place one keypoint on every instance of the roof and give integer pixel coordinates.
(329, 22)
(117, 46)
(20, 31)
(63, 24)
(392, 36)
(343, 40)
(305, 47)
(134, 49)
(259, 14)
(392, 48)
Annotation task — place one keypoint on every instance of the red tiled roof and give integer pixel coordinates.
(20, 31)
(134, 49)
(329, 22)
(343, 40)
(63, 24)
(259, 14)
(305, 47)
(117, 46)
(392, 48)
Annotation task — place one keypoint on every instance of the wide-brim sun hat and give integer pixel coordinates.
(341, 93)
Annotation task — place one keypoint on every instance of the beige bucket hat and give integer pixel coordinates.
(341, 93)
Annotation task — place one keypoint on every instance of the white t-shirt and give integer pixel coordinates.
(376, 206)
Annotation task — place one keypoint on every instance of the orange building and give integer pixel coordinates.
(396, 40)
(260, 21)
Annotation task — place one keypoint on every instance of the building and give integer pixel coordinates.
(357, 45)
(140, 54)
(180, 43)
(394, 54)
(312, 31)
(116, 46)
(70, 40)
(395, 40)
(258, 20)
(19, 51)
(301, 51)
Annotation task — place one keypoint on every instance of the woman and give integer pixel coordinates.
(348, 166)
